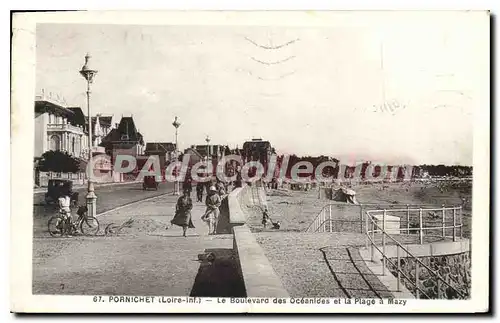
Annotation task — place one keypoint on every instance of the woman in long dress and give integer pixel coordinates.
(211, 216)
(182, 216)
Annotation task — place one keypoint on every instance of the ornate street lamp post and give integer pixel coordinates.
(176, 124)
(89, 74)
(209, 155)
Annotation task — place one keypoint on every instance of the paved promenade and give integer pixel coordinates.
(146, 259)
(108, 198)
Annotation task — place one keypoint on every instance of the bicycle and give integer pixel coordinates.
(58, 225)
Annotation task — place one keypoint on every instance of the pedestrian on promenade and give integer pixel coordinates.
(183, 208)
(265, 218)
(64, 209)
(221, 189)
(200, 187)
(239, 181)
(187, 186)
(211, 216)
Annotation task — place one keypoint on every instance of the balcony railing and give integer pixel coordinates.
(64, 127)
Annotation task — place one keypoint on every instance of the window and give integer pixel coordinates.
(73, 146)
(55, 143)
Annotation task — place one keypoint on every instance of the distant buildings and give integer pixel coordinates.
(125, 137)
(214, 151)
(257, 150)
(101, 127)
(166, 149)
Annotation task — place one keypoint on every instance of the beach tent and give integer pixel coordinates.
(345, 195)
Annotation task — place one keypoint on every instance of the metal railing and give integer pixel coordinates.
(254, 188)
(324, 220)
(327, 216)
(376, 221)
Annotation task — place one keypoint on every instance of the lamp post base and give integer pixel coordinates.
(91, 200)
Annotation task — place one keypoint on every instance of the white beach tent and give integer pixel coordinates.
(345, 195)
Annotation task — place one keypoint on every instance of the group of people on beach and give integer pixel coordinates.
(216, 191)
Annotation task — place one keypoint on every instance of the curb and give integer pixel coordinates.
(132, 203)
(44, 190)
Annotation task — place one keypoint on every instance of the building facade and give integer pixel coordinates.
(257, 150)
(57, 128)
(62, 128)
(101, 127)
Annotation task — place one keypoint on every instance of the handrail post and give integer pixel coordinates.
(361, 218)
(407, 218)
(322, 223)
(366, 229)
(454, 224)
(443, 221)
(319, 221)
(318, 224)
(399, 268)
(461, 222)
(383, 242)
(417, 291)
(421, 226)
(330, 219)
(372, 249)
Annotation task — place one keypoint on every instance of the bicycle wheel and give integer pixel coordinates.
(56, 226)
(89, 225)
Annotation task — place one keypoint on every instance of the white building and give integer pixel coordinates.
(58, 127)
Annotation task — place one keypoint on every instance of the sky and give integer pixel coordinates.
(392, 93)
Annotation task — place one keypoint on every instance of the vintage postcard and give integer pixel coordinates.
(264, 162)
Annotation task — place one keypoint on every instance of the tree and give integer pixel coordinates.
(59, 162)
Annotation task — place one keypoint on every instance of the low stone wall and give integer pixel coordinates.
(236, 215)
(258, 274)
(256, 271)
(455, 269)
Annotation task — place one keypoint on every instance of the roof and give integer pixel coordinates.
(104, 121)
(256, 144)
(194, 152)
(126, 131)
(127, 127)
(111, 136)
(160, 146)
(78, 118)
(46, 106)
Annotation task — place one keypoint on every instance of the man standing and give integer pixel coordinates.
(200, 187)
(65, 211)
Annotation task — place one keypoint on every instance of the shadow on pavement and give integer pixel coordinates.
(223, 225)
(218, 278)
